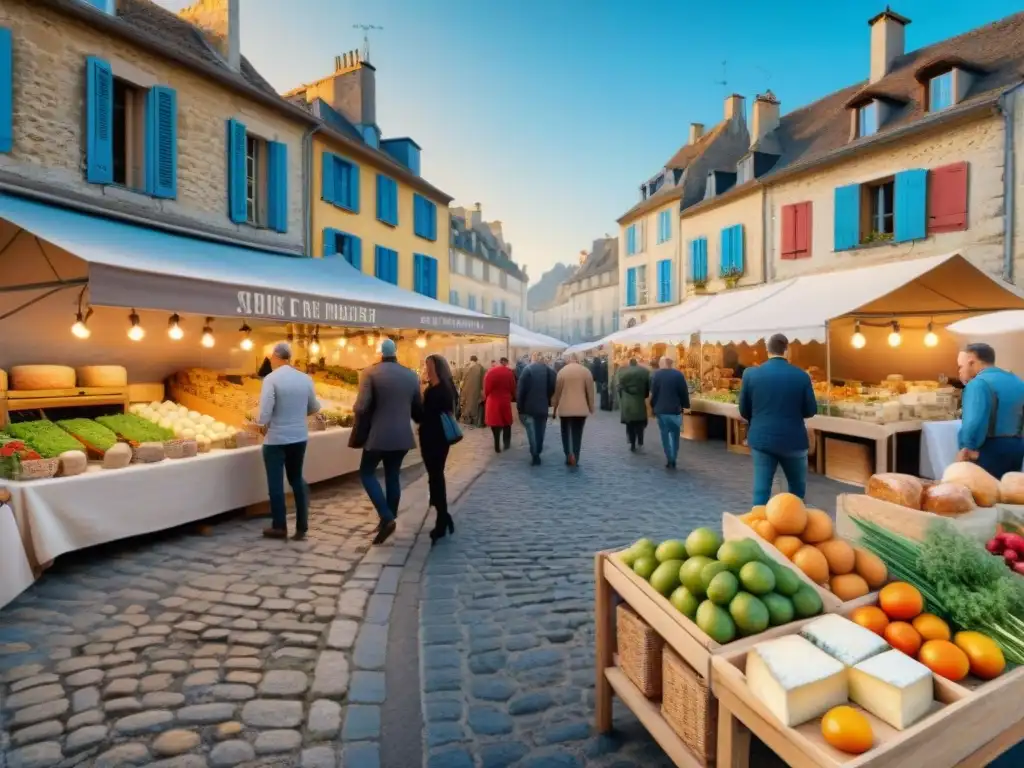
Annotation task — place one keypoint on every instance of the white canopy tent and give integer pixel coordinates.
(523, 338)
(630, 335)
(1004, 331)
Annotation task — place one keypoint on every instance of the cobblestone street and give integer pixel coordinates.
(507, 604)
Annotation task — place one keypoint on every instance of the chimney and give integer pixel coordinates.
(734, 107)
(696, 131)
(887, 41)
(583, 257)
(218, 21)
(765, 117)
(476, 215)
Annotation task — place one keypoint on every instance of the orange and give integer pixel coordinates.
(757, 513)
(945, 659)
(787, 513)
(849, 586)
(847, 729)
(819, 527)
(903, 637)
(986, 658)
(871, 617)
(748, 519)
(812, 563)
(931, 627)
(788, 545)
(870, 567)
(900, 601)
(765, 530)
(839, 554)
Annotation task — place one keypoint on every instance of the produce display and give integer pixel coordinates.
(963, 488)
(180, 422)
(890, 401)
(12, 454)
(89, 433)
(45, 437)
(720, 396)
(806, 538)
(1009, 546)
(215, 389)
(135, 429)
(729, 589)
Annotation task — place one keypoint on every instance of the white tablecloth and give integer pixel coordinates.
(938, 447)
(15, 571)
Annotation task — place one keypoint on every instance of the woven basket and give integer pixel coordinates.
(640, 649)
(180, 448)
(317, 423)
(245, 439)
(39, 469)
(688, 707)
(147, 453)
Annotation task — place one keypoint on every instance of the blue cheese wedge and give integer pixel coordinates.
(843, 640)
(794, 680)
(893, 687)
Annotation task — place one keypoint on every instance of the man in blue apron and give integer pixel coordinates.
(993, 413)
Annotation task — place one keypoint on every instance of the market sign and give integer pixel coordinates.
(116, 287)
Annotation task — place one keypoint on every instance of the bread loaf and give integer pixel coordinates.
(947, 499)
(118, 456)
(1011, 488)
(895, 488)
(980, 483)
(72, 463)
(102, 376)
(36, 377)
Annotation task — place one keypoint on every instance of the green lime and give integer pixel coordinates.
(709, 571)
(786, 582)
(780, 609)
(690, 574)
(806, 602)
(684, 601)
(673, 549)
(757, 578)
(645, 566)
(703, 541)
(666, 576)
(749, 613)
(738, 553)
(723, 588)
(715, 622)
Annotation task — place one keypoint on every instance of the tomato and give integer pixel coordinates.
(944, 659)
(871, 617)
(985, 657)
(847, 729)
(931, 627)
(900, 601)
(903, 637)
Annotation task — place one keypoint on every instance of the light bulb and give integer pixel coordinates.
(343, 342)
(931, 339)
(421, 340)
(314, 347)
(136, 332)
(174, 328)
(895, 339)
(371, 340)
(208, 341)
(857, 340)
(80, 330)
(246, 343)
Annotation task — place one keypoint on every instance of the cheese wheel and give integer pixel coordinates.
(102, 376)
(1011, 488)
(72, 463)
(980, 483)
(117, 456)
(36, 377)
(904, 490)
(3, 380)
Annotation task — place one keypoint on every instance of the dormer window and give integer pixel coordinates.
(867, 119)
(745, 169)
(677, 175)
(940, 92)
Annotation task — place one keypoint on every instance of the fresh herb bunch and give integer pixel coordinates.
(89, 432)
(958, 579)
(49, 440)
(135, 428)
(340, 373)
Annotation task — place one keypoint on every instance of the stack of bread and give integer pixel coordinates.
(964, 487)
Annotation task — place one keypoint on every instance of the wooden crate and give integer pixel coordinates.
(43, 399)
(848, 461)
(979, 524)
(736, 436)
(695, 427)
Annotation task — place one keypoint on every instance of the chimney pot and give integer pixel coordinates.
(764, 117)
(696, 131)
(888, 39)
(337, 64)
(734, 107)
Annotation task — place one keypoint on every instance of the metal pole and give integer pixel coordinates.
(828, 366)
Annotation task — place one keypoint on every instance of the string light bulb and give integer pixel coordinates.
(80, 329)
(246, 343)
(174, 328)
(314, 346)
(421, 340)
(343, 341)
(371, 340)
(895, 339)
(208, 341)
(931, 339)
(135, 332)
(857, 340)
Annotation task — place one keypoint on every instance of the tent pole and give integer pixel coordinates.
(828, 367)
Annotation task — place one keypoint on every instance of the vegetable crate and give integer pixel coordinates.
(980, 524)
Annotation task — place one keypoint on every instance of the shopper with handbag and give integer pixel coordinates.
(438, 432)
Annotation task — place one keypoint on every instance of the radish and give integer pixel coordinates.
(1015, 542)
(1018, 567)
(995, 546)
(1010, 556)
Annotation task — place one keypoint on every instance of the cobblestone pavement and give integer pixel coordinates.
(506, 634)
(187, 651)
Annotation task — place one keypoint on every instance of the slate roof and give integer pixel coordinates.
(494, 253)
(603, 258)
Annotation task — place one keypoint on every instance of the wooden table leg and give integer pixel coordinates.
(733, 749)
(881, 456)
(604, 629)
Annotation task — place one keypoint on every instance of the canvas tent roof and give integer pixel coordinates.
(525, 338)
(992, 324)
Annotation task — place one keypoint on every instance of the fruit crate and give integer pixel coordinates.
(978, 524)
(969, 724)
(695, 427)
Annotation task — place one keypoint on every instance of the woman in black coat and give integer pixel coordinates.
(439, 398)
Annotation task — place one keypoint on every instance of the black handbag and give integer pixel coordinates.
(362, 422)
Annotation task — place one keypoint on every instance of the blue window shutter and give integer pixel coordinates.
(387, 200)
(327, 178)
(330, 246)
(910, 202)
(433, 221)
(162, 142)
(354, 251)
(277, 186)
(99, 133)
(236, 172)
(432, 282)
(703, 257)
(417, 273)
(847, 217)
(631, 287)
(353, 188)
(393, 269)
(737, 248)
(725, 252)
(6, 91)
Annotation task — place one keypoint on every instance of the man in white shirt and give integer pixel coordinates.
(286, 402)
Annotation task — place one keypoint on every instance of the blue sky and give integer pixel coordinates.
(551, 112)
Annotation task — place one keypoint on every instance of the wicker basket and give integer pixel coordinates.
(640, 649)
(688, 707)
(180, 448)
(147, 453)
(39, 469)
(245, 439)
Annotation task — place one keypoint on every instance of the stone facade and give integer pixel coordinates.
(50, 52)
(709, 221)
(649, 253)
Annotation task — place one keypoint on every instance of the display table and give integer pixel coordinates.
(15, 571)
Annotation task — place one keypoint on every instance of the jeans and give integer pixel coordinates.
(535, 427)
(999, 455)
(502, 435)
(281, 461)
(794, 467)
(572, 434)
(670, 425)
(635, 432)
(385, 504)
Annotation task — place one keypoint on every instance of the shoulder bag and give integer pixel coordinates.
(452, 432)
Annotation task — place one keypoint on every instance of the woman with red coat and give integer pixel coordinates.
(499, 394)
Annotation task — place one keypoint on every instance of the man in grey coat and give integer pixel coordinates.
(533, 399)
(390, 399)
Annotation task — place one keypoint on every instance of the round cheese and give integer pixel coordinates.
(37, 377)
(72, 463)
(117, 456)
(3, 380)
(102, 376)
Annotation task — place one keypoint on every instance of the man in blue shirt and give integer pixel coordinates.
(993, 418)
(669, 398)
(775, 399)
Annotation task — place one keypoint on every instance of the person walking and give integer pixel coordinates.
(472, 392)
(573, 401)
(669, 398)
(634, 387)
(499, 394)
(389, 401)
(287, 400)
(439, 399)
(775, 398)
(993, 413)
(533, 398)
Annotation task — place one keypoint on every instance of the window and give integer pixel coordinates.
(664, 226)
(699, 261)
(424, 275)
(349, 247)
(664, 281)
(940, 92)
(385, 264)
(745, 169)
(253, 181)
(451, 261)
(635, 239)
(867, 119)
(796, 231)
(881, 223)
(129, 130)
(471, 302)
(892, 209)
(731, 254)
(424, 217)
(257, 179)
(453, 297)
(340, 183)
(641, 285)
(387, 200)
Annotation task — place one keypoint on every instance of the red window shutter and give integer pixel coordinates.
(803, 231)
(947, 198)
(789, 232)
